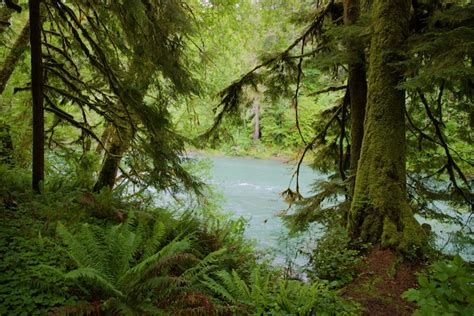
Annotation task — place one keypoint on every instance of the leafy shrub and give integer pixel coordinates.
(332, 259)
(266, 294)
(23, 284)
(446, 289)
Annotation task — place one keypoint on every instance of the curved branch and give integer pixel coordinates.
(310, 145)
(451, 165)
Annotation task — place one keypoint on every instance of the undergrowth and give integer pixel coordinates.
(70, 251)
(446, 288)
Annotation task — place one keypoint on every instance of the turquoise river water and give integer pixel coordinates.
(251, 188)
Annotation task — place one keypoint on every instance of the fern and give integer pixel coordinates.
(134, 270)
(97, 278)
(260, 296)
(232, 289)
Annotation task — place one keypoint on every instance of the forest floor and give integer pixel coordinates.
(381, 281)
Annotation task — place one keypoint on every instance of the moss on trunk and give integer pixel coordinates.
(357, 84)
(119, 141)
(380, 212)
(14, 56)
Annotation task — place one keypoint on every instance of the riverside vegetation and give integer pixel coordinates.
(110, 95)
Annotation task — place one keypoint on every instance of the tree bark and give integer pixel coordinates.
(256, 120)
(37, 92)
(357, 85)
(14, 56)
(119, 141)
(6, 12)
(104, 138)
(380, 212)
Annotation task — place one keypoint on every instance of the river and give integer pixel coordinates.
(251, 188)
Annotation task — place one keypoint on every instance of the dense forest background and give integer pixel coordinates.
(103, 102)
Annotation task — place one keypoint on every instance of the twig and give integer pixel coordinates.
(298, 86)
(330, 89)
(308, 146)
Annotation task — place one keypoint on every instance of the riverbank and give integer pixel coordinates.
(287, 156)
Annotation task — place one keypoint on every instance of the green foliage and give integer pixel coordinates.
(266, 294)
(189, 245)
(25, 288)
(323, 207)
(132, 269)
(446, 289)
(332, 259)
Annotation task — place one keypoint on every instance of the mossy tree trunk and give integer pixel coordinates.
(104, 138)
(8, 66)
(6, 11)
(380, 212)
(119, 140)
(357, 84)
(14, 56)
(120, 135)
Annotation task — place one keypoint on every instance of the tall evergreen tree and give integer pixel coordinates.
(357, 85)
(380, 212)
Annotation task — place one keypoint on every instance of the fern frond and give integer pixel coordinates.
(164, 285)
(219, 289)
(173, 261)
(203, 266)
(76, 250)
(96, 278)
(154, 242)
(120, 246)
(136, 274)
(241, 287)
(78, 309)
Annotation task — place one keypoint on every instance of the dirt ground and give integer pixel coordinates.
(380, 283)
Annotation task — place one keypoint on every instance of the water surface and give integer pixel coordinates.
(252, 187)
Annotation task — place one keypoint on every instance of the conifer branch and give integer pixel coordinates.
(298, 86)
(330, 89)
(230, 96)
(13, 5)
(451, 165)
(319, 136)
(70, 119)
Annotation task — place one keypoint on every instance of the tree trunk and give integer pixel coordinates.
(104, 139)
(37, 92)
(380, 212)
(256, 120)
(119, 141)
(121, 135)
(14, 56)
(6, 11)
(357, 84)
